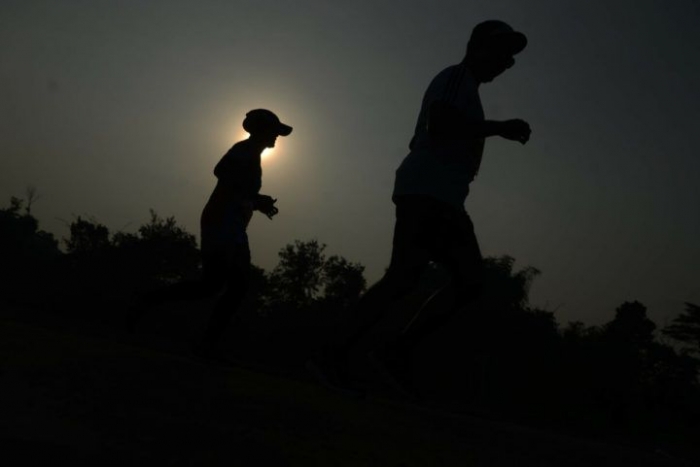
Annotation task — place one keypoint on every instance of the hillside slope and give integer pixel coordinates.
(90, 400)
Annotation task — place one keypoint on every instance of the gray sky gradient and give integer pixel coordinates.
(110, 108)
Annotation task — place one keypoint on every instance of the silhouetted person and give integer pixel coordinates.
(225, 218)
(430, 189)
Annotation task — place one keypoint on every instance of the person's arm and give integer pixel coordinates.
(447, 122)
(266, 205)
(514, 130)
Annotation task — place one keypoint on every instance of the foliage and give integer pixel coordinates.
(20, 237)
(344, 281)
(304, 276)
(298, 276)
(28, 255)
(505, 288)
(87, 238)
(631, 326)
(164, 249)
(511, 357)
(160, 251)
(685, 329)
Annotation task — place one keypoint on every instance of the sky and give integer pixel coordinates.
(112, 108)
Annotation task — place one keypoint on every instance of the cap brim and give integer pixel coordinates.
(284, 130)
(512, 42)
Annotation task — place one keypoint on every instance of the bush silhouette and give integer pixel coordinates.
(498, 353)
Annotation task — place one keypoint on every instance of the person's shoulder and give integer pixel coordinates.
(239, 150)
(452, 67)
(239, 147)
(447, 71)
(444, 76)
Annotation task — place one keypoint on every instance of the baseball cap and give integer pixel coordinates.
(496, 34)
(262, 120)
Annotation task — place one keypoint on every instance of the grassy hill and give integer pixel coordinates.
(92, 397)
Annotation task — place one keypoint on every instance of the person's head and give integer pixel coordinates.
(264, 127)
(491, 48)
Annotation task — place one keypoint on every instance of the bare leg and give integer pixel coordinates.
(465, 266)
(374, 306)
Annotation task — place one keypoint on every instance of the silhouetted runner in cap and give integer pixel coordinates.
(430, 189)
(225, 218)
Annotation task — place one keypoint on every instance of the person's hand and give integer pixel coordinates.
(515, 130)
(266, 205)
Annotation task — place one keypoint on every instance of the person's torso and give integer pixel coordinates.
(239, 179)
(444, 169)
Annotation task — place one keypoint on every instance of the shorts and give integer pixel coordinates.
(427, 231)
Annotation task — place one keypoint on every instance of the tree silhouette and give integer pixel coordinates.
(305, 277)
(504, 288)
(639, 374)
(631, 326)
(166, 250)
(513, 358)
(32, 197)
(20, 237)
(102, 271)
(87, 238)
(344, 281)
(28, 255)
(686, 328)
(298, 276)
(577, 332)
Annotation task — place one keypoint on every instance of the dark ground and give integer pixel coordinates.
(86, 395)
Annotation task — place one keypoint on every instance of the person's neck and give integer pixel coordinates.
(257, 144)
(469, 64)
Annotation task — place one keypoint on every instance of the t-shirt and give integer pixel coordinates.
(239, 177)
(444, 169)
